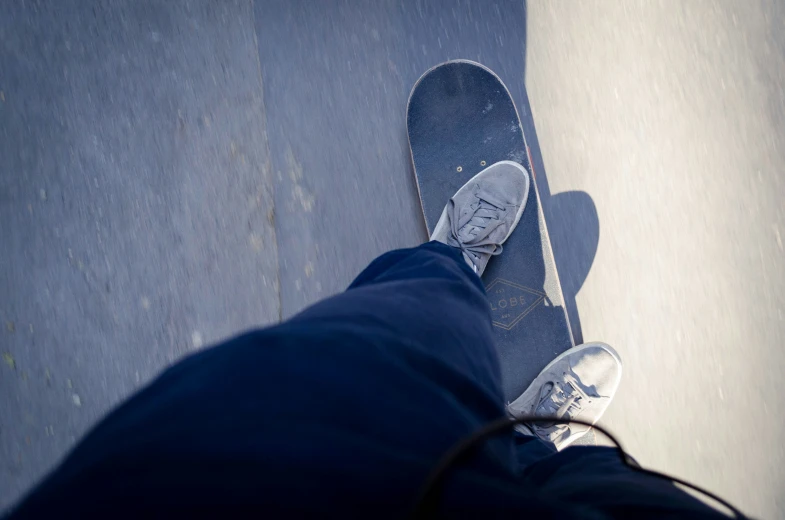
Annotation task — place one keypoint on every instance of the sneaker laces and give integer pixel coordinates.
(558, 400)
(471, 229)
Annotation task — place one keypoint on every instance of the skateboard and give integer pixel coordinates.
(461, 119)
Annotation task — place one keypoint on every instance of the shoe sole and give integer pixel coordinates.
(443, 219)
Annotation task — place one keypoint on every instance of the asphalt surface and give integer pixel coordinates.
(173, 173)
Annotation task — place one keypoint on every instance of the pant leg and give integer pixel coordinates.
(591, 479)
(596, 477)
(529, 449)
(345, 407)
(427, 309)
(428, 298)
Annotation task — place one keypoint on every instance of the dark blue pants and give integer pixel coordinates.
(343, 409)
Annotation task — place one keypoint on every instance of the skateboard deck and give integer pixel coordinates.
(461, 119)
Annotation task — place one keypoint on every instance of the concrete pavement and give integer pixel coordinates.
(170, 174)
(670, 116)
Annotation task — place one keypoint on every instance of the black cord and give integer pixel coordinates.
(428, 502)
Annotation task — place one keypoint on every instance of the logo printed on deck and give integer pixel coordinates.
(510, 302)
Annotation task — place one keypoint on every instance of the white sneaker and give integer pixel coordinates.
(484, 212)
(578, 384)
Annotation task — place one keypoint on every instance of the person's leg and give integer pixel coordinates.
(425, 299)
(344, 408)
(595, 477)
(349, 403)
(428, 307)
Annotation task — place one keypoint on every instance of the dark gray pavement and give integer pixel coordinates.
(336, 81)
(174, 172)
(136, 209)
